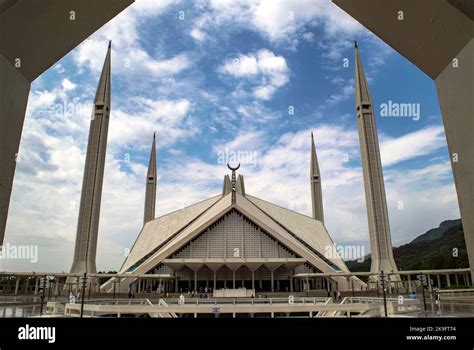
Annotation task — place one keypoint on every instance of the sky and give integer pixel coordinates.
(214, 79)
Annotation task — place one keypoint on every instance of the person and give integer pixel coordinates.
(436, 295)
(129, 294)
(78, 295)
(71, 298)
(338, 295)
(413, 295)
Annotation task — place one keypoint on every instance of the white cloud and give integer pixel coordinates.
(271, 71)
(308, 36)
(67, 85)
(198, 34)
(249, 141)
(168, 66)
(346, 92)
(128, 54)
(412, 145)
(278, 19)
(167, 117)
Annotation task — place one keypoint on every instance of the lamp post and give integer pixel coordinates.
(423, 282)
(49, 288)
(42, 295)
(83, 285)
(384, 282)
(352, 286)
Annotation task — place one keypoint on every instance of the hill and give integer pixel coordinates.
(435, 249)
(437, 232)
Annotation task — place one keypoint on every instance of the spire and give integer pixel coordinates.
(102, 95)
(361, 87)
(233, 182)
(377, 214)
(240, 186)
(315, 181)
(227, 186)
(89, 210)
(150, 193)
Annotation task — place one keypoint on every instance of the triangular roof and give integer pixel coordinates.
(161, 237)
(177, 238)
(154, 233)
(307, 229)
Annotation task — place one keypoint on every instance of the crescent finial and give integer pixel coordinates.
(233, 169)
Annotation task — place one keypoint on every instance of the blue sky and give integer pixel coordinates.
(211, 76)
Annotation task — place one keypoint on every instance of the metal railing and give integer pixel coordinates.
(249, 301)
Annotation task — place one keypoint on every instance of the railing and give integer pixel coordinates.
(456, 292)
(398, 306)
(116, 302)
(161, 302)
(251, 301)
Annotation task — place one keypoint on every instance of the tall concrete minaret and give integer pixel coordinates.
(315, 180)
(379, 228)
(150, 194)
(88, 223)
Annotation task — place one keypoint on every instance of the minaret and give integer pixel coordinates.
(379, 229)
(88, 223)
(315, 180)
(150, 194)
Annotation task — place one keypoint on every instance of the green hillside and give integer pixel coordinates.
(437, 232)
(429, 252)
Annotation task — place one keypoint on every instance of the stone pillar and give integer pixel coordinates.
(457, 279)
(215, 280)
(17, 285)
(253, 279)
(439, 281)
(448, 281)
(233, 279)
(195, 280)
(430, 287)
(27, 282)
(271, 277)
(409, 284)
(291, 283)
(36, 286)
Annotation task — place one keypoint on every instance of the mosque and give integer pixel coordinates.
(233, 240)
